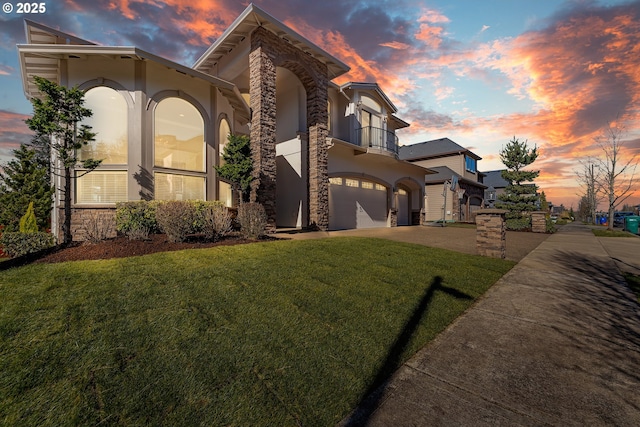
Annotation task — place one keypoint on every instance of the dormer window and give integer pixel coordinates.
(470, 164)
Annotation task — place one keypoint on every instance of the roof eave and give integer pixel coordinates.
(256, 17)
(58, 52)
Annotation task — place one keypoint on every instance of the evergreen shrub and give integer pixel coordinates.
(28, 222)
(136, 220)
(519, 224)
(16, 244)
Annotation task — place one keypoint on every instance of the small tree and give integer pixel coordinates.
(618, 175)
(519, 198)
(544, 205)
(57, 116)
(28, 223)
(23, 181)
(238, 165)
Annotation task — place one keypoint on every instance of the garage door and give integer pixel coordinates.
(356, 203)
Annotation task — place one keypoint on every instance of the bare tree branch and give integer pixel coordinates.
(618, 168)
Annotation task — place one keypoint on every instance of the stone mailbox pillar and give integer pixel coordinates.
(491, 233)
(539, 222)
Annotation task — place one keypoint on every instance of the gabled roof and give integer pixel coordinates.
(374, 87)
(43, 59)
(41, 34)
(494, 179)
(435, 148)
(444, 173)
(252, 18)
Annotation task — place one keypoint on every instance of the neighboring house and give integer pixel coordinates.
(325, 156)
(494, 179)
(455, 192)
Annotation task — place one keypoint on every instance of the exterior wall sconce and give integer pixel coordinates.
(490, 196)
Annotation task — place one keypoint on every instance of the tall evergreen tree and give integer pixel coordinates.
(544, 205)
(55, 119)
(238, 165)
(520, 195)
(24, 180)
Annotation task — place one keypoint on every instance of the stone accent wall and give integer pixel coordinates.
(89, 221)
(415, 217)
(268, 52)
(538, 222)
(393, 217)
(491, 233)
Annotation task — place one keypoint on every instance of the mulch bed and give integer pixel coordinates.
(122, 247)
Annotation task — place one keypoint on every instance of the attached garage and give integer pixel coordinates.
(357, 203)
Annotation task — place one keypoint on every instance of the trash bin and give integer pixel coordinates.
(631, 224)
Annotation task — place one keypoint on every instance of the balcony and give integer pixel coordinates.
(377, 139)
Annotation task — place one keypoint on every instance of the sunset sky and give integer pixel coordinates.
(478, 72)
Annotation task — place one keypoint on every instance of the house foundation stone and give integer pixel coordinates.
(89, 223)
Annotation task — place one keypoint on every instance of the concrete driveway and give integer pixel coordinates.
(454, 238)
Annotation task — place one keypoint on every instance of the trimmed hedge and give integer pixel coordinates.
(16, 244)
(136, 220)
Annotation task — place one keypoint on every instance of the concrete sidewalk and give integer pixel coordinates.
(555, 342)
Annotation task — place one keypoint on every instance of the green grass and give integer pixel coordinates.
(603, 232)
(634, 283)
(461, 225)
(272, 333)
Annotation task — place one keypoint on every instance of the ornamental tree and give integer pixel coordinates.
(520, 196)
(238, 165)
(57, 116)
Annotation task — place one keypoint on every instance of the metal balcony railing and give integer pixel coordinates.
(370, 137)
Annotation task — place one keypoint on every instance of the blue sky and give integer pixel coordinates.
(478, 72)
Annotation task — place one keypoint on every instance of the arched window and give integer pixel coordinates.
(179, 151)
(107, 183)
(371, 104)
(225, 194)
(109, 122)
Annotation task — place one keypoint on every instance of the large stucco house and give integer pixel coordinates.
(456, 191)
(325, 155)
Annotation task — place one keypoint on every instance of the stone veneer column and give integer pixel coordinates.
(491, 233)
(318, 155)
(538, 222)
(268, 52)
(263, 126)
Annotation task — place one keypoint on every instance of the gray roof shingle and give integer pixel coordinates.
(434, 148)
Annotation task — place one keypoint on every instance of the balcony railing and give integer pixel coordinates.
(370, 137)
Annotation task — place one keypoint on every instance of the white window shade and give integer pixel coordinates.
(99, 187)
(170, 186)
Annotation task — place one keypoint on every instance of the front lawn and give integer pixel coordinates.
(603, 232)
(264, 334)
